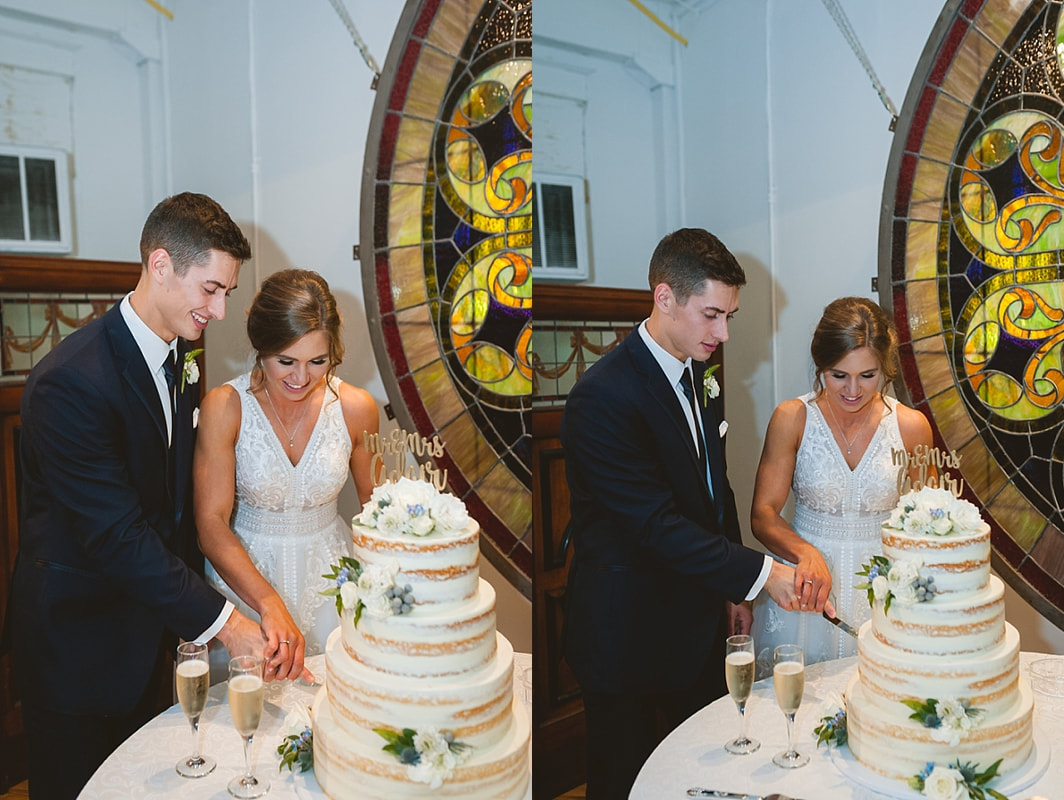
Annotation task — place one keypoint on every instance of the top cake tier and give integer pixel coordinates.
(442, 569)
(429, 537)
(945, 534)
(958, 563)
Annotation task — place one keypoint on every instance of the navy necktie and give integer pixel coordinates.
(170, 371)
(687, 383)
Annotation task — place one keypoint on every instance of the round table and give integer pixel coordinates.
(694, 755)
(143, 766)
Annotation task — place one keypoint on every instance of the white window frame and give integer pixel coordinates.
(553, 271)
(59, 158)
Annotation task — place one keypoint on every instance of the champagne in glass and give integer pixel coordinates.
(245, 706)
(739, 673)
(788, 678)
(192, 677)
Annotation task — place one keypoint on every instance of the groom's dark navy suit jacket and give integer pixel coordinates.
(106, 526)
(654, 557)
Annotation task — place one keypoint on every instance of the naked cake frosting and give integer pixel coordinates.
(938, 679)
(419, 694)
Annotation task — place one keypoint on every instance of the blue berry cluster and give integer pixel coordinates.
(925, 588)
(297, 750)
(832, 729)
(402, 600)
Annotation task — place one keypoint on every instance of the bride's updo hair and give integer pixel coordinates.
(849, 324)
(289, 305)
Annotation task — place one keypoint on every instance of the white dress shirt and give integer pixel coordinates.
(674, 370)
(155, 351)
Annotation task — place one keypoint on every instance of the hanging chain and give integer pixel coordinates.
(367, 56)
(843, 23)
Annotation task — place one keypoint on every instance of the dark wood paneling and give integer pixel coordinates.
(51, 274)
(47, 275)
(558, 713)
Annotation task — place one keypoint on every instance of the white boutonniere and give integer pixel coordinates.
(190, 371)
(710, 387)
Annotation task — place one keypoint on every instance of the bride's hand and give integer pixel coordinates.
(285, 645)
(812, 581)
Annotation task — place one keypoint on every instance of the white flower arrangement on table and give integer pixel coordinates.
(832, 727)
(297, 747)
(190, 369)
(371, 589)
(412, 507)
(431, 755)
(933, 511)
(710, 387)
(899, 581)
(950, 719)
(956, 781)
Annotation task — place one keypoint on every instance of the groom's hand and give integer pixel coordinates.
(241, 636)
(780, 586)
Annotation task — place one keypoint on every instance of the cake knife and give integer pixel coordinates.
(842, 626)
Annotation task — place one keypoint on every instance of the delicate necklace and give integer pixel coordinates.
(860, 425)
(291, 436)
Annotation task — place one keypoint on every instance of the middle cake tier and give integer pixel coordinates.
(475, 707)
(429, 642)
(961, 624)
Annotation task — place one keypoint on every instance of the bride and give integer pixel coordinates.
(274, 449)
(832, 447)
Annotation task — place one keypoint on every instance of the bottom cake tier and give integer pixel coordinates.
(347, 770)
(479, 708)
(881, 735)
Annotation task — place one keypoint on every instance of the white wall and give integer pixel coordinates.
(262, 104)
(784, 145)
(100, 57)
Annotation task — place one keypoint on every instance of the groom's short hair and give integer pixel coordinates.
(686, 258)
(188, 226)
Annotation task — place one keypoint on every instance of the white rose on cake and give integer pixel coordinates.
(880, 587)
(393, 521)
(918, 521)
(422, 524)
(449, 512)
(901, 580)
(945, 783)
(934, 511)
(373, 583)
(956, 719)
(966, 516)
(413, 507)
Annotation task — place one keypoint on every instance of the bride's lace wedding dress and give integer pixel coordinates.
(285, 515)
(839, 511)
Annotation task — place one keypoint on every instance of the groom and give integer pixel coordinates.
(103, 582)
(658, 564)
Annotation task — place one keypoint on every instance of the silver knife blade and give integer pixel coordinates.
(842, 626)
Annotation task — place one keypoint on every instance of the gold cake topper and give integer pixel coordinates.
(397, 446)
(933, 467)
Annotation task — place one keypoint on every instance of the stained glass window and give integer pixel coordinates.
(974, 235)
(446, 252)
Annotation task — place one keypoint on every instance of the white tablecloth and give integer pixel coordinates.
(144, 765)
(694, 755)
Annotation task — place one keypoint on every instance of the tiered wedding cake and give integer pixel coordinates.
(419, 698)
(938, 666)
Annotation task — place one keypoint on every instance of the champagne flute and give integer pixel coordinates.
(192, 677)
(245, 706)
(739, 673)
(788, 678)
